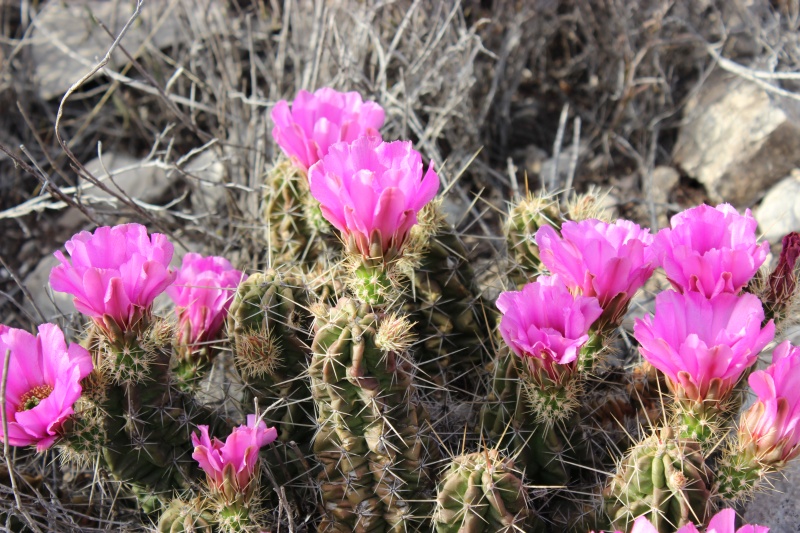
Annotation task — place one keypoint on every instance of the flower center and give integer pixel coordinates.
(33, 397)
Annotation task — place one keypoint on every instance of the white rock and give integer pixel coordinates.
(738, 139)
(779, 212)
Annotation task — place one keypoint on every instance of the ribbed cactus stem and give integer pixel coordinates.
(481, 493)
(663, 478)
(373, 440)
(737, 477)
(293, 218)
(530, 422)
(524, 220)
(144, 421)
(267, 324)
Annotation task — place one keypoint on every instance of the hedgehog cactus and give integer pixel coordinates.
(663, 478)
(539, 448)
(267, 325)
(481, 492)
(444, 300)
(293, 223)
(373, 441)
(524, 220)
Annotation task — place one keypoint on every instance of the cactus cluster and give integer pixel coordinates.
(348, 355)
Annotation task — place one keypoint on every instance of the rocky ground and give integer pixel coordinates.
(660, 105)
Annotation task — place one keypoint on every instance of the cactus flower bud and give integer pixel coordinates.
(783, 280)
(769, 429)
(703, 345)
(371, 191)
(546, 324)
(202, 292)
(319, 120)
(710, 250)
(114, 273)
(608, 261)
(43, 383)
(230, 466)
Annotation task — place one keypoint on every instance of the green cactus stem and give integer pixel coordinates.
(373, 440)
(524, 220)
(134, 417)
(481, 493)
(538, 446)
(293, 220)
(663, 478)
(267, 323)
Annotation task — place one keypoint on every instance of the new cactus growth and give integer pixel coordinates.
(373, 442)
(481, 492)
(664, 478)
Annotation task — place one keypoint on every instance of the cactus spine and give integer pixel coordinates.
(373, 440)
(664, 478)
(481, 493)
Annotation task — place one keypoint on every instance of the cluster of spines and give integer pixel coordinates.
(373, 440)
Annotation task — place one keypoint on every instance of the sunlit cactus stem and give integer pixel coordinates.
(663, 478)
(294, 226)
(373, 440)
(524, 220)
(481, 493)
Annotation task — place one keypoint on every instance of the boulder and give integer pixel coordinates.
(779, 212)
(738, 139)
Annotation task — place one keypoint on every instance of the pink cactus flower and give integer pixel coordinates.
(546, 322)
(710, 250)
(703, 345)
(115, 272)
(371, 191)
(230, 466)
(608, 261)
(723, 522)
(318, 121)
(771, 427)
(202, 292)
(43, 384)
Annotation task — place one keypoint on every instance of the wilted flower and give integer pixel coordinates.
(371, 191)
(703, 345)
(114, 273)
(230, 466)
(317, 121)
(607, 261)
(43, 383)
(710, 250)
(771, 427)
(547, 323)
(202, 292)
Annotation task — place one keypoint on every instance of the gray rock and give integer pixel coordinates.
(206, 173)
(67, 42)
(51, 304)
(779, 212)
(120, 173)
(663, 180)
(738, 139)
(776, 506)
